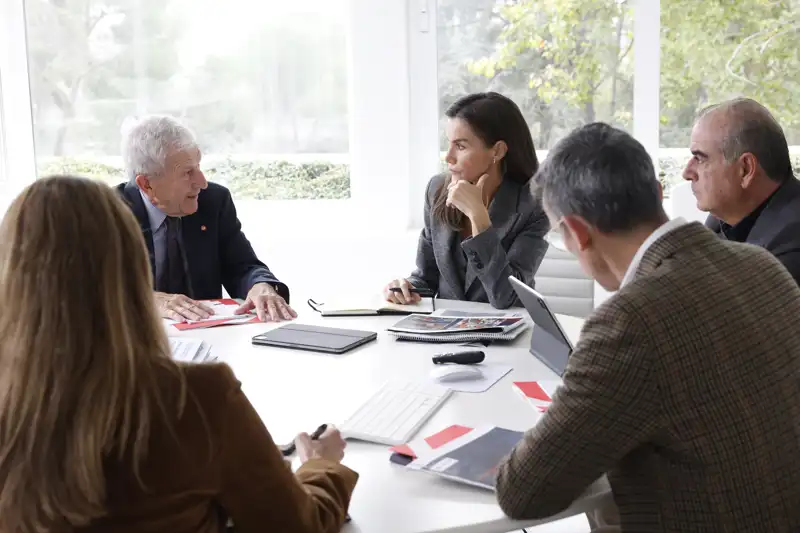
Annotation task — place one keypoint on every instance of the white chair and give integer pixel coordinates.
(562, 282)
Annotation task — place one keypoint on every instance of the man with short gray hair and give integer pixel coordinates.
(682, 389)
(741, 173)
(191, 229)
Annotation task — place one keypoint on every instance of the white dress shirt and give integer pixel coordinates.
(158, 231)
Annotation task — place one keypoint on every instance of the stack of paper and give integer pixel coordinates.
(440, 328)
(189, 350)
(223, 315)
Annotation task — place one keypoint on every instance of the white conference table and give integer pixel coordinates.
(296, 391)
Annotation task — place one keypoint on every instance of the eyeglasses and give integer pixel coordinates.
(555, 238)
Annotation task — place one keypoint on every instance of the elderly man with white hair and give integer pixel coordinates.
(191, 229)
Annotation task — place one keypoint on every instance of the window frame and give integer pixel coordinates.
(17, 157)
(393, 109)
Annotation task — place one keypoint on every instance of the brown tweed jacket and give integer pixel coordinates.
(220, 463)
(684, 390)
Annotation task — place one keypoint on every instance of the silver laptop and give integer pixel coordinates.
(549, 342)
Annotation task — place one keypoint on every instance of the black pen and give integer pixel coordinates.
(425, 293)
(291, 448)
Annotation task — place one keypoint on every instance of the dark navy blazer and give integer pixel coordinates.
(217, 252)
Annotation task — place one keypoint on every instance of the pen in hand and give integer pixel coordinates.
(423, 293)
(289, 449)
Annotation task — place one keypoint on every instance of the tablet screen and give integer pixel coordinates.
(549, 343)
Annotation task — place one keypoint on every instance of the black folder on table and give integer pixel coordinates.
(315, 338)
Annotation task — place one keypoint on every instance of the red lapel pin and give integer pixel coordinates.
(202, 228)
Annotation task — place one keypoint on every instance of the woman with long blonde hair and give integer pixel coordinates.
(100, 430)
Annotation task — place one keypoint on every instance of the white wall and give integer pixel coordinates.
(317, 262)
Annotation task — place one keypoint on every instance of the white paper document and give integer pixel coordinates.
(190, 350)
(223, 311)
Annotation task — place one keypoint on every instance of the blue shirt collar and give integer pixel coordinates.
(155, 214)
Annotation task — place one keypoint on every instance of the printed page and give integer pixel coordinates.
(422, 324)
(185, 348)
(222, 311)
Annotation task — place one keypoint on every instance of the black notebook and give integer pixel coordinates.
(315, 338)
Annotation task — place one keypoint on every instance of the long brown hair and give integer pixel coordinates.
(83, 358)
(492, 117)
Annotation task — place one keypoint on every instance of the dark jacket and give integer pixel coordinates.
(513, 245)
(217, 252)
(777, 228)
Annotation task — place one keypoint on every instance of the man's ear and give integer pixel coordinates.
(144, 183)
(748, 167)
(660, 190)
(579, 230)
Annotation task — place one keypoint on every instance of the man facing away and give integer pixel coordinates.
(683, 388)
(191, 229)
(741, 173)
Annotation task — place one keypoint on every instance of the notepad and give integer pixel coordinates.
(369, 307)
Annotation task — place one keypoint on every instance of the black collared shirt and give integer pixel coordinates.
(739, 232)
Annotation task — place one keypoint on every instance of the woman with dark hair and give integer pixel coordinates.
(482, 224)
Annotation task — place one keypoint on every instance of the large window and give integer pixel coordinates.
(263, 83)
(719, 50)
(564, 62)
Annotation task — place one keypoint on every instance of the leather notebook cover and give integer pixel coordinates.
(315, 338)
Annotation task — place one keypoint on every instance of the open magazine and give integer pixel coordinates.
(425, 324)
(482, 313)
(472, 458)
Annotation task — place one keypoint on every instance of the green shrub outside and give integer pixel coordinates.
(81, 167)
(247, 180)
(672, 169)
(284, 180)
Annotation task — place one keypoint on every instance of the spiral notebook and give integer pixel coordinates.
(433, 328)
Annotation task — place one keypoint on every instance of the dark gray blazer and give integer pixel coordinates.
(777, 228)
(513, 245)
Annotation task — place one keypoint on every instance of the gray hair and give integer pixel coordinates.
(147, 143)
(752, 129)
(602, 175)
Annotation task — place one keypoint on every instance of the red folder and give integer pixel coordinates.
(183, 326)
